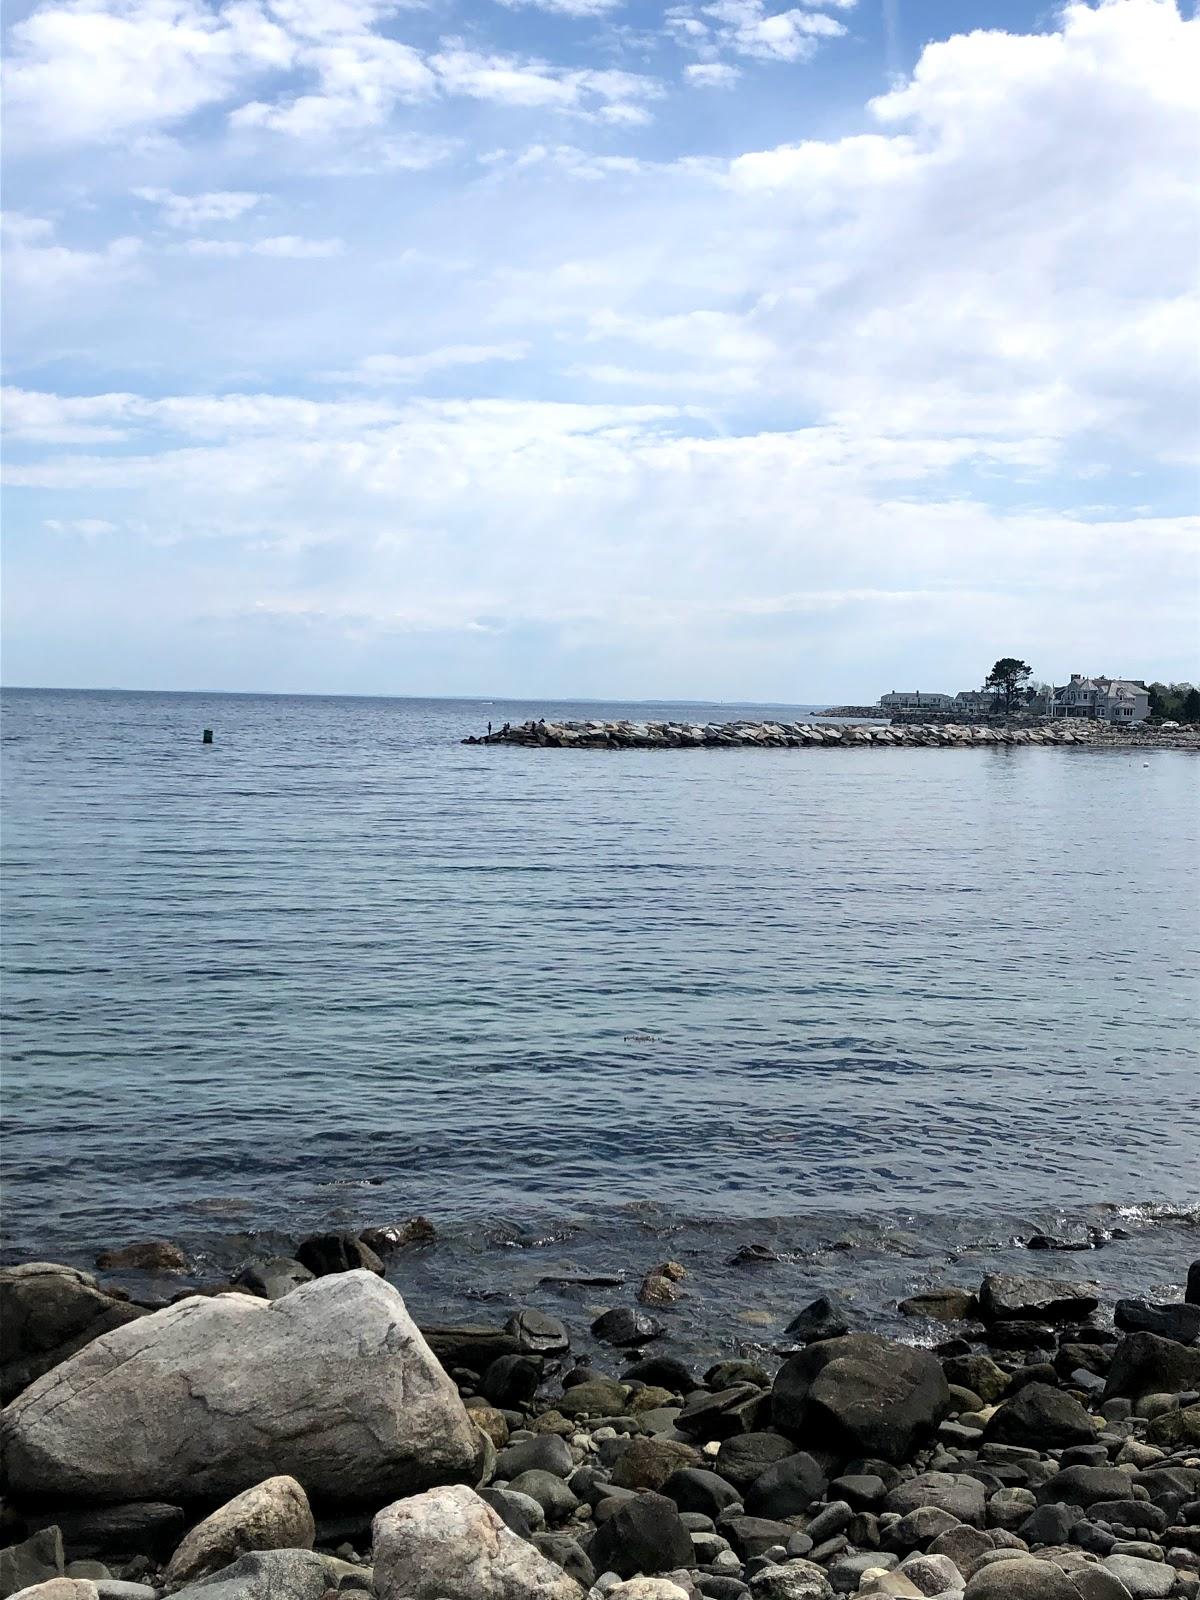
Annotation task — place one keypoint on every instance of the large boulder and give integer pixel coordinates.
(274, 1515)
(1146, 1363)
(1006, 1297)
(47, 1313)
(1040, 1417)
(332, 1384)
(1022, 1578)
(862, 1396)
(448, 1544)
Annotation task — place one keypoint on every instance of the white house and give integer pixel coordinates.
(1102, 699)
(914, 700)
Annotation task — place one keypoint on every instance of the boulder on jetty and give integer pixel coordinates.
(332, 1384)
(47, 1313)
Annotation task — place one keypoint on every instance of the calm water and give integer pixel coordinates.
(582, 1008)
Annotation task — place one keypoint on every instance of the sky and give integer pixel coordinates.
(599, 348)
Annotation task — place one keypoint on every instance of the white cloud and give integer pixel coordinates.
(198, 210)
(37, 265)
(568, 8)
(384, 370)
(711, 74)
(747, 28)
(285, 247)
(361, 78)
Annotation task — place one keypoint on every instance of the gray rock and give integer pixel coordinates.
(1021, 1578)
(33, 1561)
(861, 1395)
(747, 1456)
(962, 1497)
(539, 1333)
(61, 1589)
(264, 1575)
(1006, 1297)
(550, 1492)
(1083, 1486)
(274, 1277)
(932, 1574)
(542, 1452)
(273, 1515)
(698, 1490)
(143, 1527)
(786, 1488)
(1145, 1580)
(566, 1553)
(624, 1326)
(332, 1385)
(791, 1580)
(1180, 1322)
(1144, 1363)
(47, 1313)
(447, 1544)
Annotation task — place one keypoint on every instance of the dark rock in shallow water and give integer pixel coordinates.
(861, 1395)
(1192, 1292)
(1144, 1363)
(1041, 1418)
(598, 1397)
(511, 1381)
(1180, 1322)
(819, 1320)
(150, 1255)
(942, 1305)
(326, 1253)
(273, 1278)
(645, 1535)
(661, 1372)
(623, 1326)
(47, 1313)
(395, 1235)
(1005, 1297)
(538, 1333)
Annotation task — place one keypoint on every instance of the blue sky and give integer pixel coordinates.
(573, 347)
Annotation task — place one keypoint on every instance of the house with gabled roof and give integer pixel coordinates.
(1102, 699)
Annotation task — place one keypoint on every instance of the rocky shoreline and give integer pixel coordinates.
(627, 735)
(293, 1435)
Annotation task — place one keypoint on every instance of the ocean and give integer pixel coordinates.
(888, 1012)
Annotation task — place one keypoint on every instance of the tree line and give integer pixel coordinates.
(1009, 682)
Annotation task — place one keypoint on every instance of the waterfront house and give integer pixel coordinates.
(914, 700)
(1102, 699)
(975, 702)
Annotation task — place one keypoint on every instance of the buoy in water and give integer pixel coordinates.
(208, 736)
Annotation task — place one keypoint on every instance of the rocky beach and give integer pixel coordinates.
(625, 734)
(293, 1435)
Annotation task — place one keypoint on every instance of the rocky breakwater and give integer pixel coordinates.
(624, 735)
(1025, 1446)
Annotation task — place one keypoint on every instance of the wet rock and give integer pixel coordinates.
(820, 1319)
(861, 1395)
(538, 1333)
(1040, 1418)
(333, 1385)
(511, 1382)
(660, 1287)
(274, 1515)
(327, 1253)
(644, 1535)
(1192, 1292)
(624, 1326)
(754, 1255)
(1145, 1363)
(1179, 1322)
(264, 1575)
(1006, 1297)
(274, 1277)
(149, 1255)
(396, 1235)
(718, 1416)
(663, 1372)
(33, 1561)
(941, 1305)
(448, 1544)
(47, 1313)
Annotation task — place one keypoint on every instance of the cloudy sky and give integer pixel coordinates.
(599, 347)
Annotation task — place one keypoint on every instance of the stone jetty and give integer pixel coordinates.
(628, 735)
(292, 1435)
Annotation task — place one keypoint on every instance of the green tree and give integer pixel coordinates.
(1006, 678)
(1160, 700)
(1189, 710)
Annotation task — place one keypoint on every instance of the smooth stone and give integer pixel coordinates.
(932, 1574)
(511, 1381)
(648, 1462)
(746, 1456)
(596, 1397)
(274, 1277)
(264, 1575)
(274, 1515)
(61, 1589)
(448, 1544)
(542, 1452)
(1145, 1580)
(539, 1333)
(566, 1553)
(1082, 1486)
(1145, 1363)
(694, 1489)
(962, 1497)
(643, 1536)
(146, 1255)
(550, 1492)
(1021, 1578)
(624, 1326)
(1041, 1418)
(820, 1319)
(332, 1385)
(1180, 1322)
(786, 1487)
